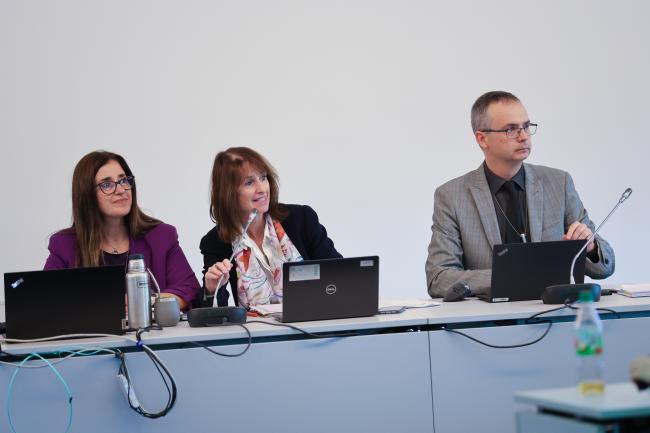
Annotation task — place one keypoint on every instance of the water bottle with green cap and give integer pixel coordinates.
(589, 346)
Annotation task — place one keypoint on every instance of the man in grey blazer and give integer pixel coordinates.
(504, 200)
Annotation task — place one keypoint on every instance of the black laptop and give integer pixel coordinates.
(41, 304)
(521, 272)
(330, 289)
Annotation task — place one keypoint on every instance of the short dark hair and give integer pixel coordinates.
(480, 107)
(227, 175)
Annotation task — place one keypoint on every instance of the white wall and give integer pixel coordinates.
(362, 106)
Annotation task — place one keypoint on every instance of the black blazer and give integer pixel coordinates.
(301, 225)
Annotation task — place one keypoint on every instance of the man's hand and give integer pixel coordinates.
(217, 275)
(577, 231)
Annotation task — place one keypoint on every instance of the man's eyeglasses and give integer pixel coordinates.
(108, 186)
(514, 131)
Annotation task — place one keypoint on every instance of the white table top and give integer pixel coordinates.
(183, 332)
(475, 310)
(467, 311)
(620, 400)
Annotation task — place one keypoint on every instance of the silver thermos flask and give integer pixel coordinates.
(137, 293)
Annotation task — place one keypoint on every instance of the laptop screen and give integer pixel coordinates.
(521, 271)
(330, 289)
(41, 304)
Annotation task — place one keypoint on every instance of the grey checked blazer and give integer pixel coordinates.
(465, 226)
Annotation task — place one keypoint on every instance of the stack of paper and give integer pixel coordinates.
(635, 290)
(267, 309)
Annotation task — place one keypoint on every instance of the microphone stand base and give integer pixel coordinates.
(215, 316)
(566, 293)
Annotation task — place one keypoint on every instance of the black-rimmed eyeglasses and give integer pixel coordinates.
(108, 187)
(514, 131)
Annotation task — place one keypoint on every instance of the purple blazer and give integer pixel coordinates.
(162, 254)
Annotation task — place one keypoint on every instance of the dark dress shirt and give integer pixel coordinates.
(509, 198)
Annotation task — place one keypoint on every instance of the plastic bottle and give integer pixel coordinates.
(589, 346)
(137, 293)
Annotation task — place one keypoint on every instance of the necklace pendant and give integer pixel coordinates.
(115, 251)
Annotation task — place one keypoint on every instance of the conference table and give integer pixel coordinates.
(401, 372)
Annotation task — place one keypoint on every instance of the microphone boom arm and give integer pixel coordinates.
(624, 197)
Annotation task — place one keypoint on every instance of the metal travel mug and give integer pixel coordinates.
(137, 292)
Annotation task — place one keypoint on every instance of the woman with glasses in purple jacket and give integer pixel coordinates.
(108, 226)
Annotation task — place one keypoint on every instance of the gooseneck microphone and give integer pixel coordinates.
(559, 293)
(624, 197)
(251, 218)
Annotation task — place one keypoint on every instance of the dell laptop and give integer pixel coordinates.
(330, 289)
(41, 304)
(521, 271)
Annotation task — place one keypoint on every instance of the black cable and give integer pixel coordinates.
(509, 346)
(250, 337)
(165, 374)
(536, 315)
(607, 310)
(310, 334)
(229, 355)
(163, 377)
(532, 320)
(603, 309)
(140, 331)
(171, 396)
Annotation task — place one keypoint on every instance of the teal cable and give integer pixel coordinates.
(56, 373)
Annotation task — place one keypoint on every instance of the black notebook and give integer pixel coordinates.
(42, 304)
(521, 271)
(330, 289)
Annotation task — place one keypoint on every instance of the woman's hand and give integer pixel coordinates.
(217, 275)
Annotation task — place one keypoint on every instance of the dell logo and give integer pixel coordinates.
(330, 289)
